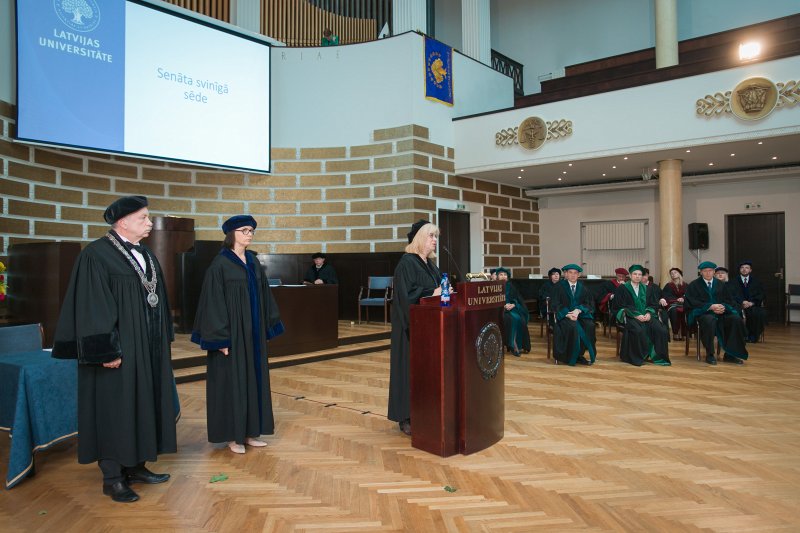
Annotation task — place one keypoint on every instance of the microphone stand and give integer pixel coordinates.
(455, 264)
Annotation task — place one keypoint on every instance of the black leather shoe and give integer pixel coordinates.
(405, 426)
(583, 361)
(711, 360)
(120, 492)
(143, 475)
(515, 353)
(731, 359)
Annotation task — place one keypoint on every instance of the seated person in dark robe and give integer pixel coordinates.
(546, 289)
(515, 317)
(320, 272)
(748, 292)
(644, 337)
(607, 290)
(236, 315)
(661, 308)
(673, 294)
(415, 277)
(710, 304)
(573, 333)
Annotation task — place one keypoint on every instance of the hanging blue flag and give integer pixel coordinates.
(438, 71)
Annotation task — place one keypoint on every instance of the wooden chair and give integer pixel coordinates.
(792, 290)
(367, 299)
(694, 329)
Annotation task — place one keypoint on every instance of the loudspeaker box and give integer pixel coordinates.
(698, 236)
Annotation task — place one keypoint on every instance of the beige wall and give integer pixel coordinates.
(337, 199)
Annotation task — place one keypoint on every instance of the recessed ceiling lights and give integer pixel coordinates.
(613, 166)
(655, 170)
(559, 179)
(774, 157)
(522, 170)
(733, 155)
(749, 50)
(519, 177)
(604, 174)
(564, 171)
(760, 142)
(688, 151)
(625, 158)
(711, 164)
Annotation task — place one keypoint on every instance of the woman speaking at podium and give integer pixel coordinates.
(415, 277)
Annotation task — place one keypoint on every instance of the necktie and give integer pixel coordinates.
(745, 281)
(573, 289)
(709, 285)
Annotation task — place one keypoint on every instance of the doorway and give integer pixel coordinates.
(760, 238)
(454, 236)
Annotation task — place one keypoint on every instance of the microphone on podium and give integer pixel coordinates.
(455, 264)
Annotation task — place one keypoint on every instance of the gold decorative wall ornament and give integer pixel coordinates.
(751, 99)
(533, 132)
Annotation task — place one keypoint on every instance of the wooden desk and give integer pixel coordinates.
(310, 316)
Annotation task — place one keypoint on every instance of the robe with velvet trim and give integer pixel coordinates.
(755, 316)
(515, 321)
(413, 279)
(236, 311)
(675, 309)
(326, 273)
(728, 327)
(572, 338)
(641, 341)
(126, 414)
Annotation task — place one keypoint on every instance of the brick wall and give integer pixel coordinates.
(336, 199)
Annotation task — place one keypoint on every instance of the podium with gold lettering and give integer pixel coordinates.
(457, 372)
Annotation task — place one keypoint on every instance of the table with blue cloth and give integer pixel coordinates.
(38, 405)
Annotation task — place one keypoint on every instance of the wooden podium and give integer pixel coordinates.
(457, 371)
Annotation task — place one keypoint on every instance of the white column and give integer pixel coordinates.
(476, 30)
(409, 15)
(670, 204)
(666, 33)
(246, 14)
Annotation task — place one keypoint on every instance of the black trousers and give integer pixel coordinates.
(113, 471)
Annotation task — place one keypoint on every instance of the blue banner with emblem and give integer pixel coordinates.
(438, 71)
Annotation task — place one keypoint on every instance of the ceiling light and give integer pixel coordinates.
(522, 170)
(564, 171)
(711, 164)
(570, 164)
(559, 179)
(688, 151)
(733, 155)
(604, 174)
(625, 158)
(774, 157)
(519, 177)
(655, 170)
(749, 50)
(760, 142)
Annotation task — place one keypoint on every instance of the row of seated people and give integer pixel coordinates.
(641, 309)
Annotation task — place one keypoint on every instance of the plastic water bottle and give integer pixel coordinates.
(445, 297)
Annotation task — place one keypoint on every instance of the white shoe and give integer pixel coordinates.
(255, 443)
(236, 448)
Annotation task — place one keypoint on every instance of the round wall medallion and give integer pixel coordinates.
(532, 133)
(754, 98)
(489, 347)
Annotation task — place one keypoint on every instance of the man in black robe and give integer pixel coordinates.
(644, 337)
(320, 272)
(116, 321)
(748, 292)
(415, 277)
(574, 333)
(710, 304)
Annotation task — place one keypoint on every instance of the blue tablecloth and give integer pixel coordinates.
(38, 405)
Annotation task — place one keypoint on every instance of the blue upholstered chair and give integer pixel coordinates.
(377, 293)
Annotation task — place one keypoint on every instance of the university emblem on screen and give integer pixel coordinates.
(79, 15)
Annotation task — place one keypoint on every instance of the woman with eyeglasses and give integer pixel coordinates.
(236, 315)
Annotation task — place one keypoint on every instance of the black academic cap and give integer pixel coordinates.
(415, 228)
(123, 207)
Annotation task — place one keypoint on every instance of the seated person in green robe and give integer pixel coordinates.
(573, 305)
(645, 337)
(329, 39)
(515, 317)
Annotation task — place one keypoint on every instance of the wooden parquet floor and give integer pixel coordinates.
(607, 448)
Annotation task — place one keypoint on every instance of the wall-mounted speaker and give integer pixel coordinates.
(698, 236)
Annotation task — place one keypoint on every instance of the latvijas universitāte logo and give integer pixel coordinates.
(79, 15)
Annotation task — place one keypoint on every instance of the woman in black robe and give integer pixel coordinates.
(415, 277)
(236, 315)
(644, 338)
(515, 317)
(546, 290)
